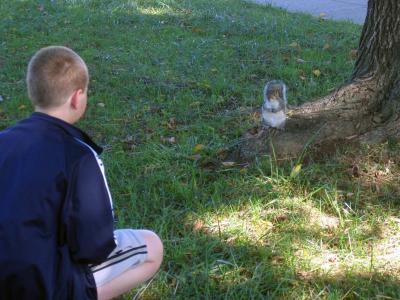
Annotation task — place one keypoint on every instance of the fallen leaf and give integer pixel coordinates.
(327, 46)
(198, 226)
(286, 58)
(129, 142)
(228, 163)
(301, 61)
(196, 103)
(198, 148)
(231, 240)
(277, 260)
(171, 124)
(168, 140)
(354, 54)
(266, 224)
(295, 171)
(222, 153)
(281, 217)
(377, 119)
(22, 107)
(302, 77)
(101, 104)
(351, 137)
(317, 72)
(205, 86)
(355, 171)
(196, 30)
(304, 275)
(243, 170)
(294, 45)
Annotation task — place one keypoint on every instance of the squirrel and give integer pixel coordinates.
(273, 110)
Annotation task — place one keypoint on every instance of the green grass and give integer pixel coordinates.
(193, 70)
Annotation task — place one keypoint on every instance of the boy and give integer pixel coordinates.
(57, 239)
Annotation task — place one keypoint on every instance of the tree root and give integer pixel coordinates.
(352, 114)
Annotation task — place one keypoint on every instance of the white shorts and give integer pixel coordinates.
(131, 250)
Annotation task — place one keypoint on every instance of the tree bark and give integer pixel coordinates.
(365, 110)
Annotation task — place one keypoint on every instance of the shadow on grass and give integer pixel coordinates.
(290, 250)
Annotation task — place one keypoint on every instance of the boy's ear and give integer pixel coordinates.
(75, 98)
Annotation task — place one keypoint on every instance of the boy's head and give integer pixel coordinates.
(54, 74)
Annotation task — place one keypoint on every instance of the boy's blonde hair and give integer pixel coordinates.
(54, 73)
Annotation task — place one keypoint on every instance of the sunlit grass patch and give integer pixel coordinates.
(378, 255)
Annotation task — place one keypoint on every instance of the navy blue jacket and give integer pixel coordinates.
(55, 211)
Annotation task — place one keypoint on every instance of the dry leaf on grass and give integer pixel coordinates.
(196, 30)
(198, 226)
(317, 73)
(354, 54)
(168, 140)
(227, 164)
(295, 171)
(277, 260)
(171, 124)
(304, 275)
(198, 148)
(326, 46)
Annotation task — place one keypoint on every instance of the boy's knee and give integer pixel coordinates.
(155, 248)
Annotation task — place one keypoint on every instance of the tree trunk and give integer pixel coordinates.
(367, 109)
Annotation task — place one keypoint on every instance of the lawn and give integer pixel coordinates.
(174, 84)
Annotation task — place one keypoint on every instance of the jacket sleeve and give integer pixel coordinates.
(90, 231)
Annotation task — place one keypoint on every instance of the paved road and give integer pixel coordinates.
(353, 10)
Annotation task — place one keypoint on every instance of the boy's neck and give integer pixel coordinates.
(56, 113)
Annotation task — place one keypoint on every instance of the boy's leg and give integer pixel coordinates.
(136, 274)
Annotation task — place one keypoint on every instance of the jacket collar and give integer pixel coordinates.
(68, 128)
